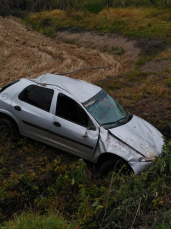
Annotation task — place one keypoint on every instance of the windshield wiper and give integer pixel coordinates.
(120, 121)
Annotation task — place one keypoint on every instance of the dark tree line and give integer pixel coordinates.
(40, 5)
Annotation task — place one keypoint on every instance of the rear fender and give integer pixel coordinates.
(7, 114)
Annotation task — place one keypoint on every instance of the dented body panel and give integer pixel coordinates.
(140, 135)
(126, 142)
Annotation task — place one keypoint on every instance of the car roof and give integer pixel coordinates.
(80, 89)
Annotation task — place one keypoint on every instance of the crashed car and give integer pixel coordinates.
(80, 118)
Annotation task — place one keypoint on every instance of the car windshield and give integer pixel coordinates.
(107, 112)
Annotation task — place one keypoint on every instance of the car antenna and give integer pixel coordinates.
(81, 70)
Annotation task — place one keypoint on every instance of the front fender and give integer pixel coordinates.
(108, 144)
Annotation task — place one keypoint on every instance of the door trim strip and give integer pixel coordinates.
(59, 135)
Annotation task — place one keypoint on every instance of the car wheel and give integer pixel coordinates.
(7, 128)
(114, 166)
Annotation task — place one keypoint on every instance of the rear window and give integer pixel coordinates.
(37, 96)
(8, 85)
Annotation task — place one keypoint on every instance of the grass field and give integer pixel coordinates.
(41, 187)
(138, 22)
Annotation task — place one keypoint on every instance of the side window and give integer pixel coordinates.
(37, 96)
(70, 110)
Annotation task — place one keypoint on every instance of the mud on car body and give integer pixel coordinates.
(80, 118)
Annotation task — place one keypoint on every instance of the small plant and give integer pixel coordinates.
(137, 75)
(168, 81)
(165, 223)
(168, 69)
(120, 51)
(70, 41)
(95, 6)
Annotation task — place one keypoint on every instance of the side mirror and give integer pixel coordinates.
(91, 128)
(91, 125)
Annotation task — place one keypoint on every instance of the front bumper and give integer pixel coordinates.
(138, 166)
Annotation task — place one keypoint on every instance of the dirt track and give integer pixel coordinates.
(124, 50)
(24, 53)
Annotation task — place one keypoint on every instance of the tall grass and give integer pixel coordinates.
(31, 220)
(90, 5)
(127, 3)
(118, 201)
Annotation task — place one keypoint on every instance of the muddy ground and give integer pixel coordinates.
(25, 53)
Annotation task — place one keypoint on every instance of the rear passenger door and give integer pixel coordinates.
(32, 109)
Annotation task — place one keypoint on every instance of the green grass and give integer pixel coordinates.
(137, 22)
(168, 81)
(32, 220)
(52, 186)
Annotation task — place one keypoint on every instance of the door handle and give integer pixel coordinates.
(57, 124)
(85, 135)
(18, 108)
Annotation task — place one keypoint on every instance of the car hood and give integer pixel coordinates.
(141, 136)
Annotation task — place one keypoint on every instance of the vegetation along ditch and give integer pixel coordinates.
(42, 187)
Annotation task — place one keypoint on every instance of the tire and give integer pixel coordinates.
(7, 128)
(114, 166)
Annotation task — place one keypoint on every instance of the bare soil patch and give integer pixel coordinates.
(156, 65)
(123, 49)
(126, 50)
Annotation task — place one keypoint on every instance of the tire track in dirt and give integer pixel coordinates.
(123, 49)
(25, 53)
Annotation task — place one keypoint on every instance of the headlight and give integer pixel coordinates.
(146, 159)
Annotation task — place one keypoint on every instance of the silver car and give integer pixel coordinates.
(80, 118)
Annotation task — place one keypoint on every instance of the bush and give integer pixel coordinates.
(95, 6)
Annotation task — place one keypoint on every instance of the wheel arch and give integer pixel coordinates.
(9, 116)
(109, 156)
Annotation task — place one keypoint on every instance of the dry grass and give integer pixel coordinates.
(51, 14)
(138, 13)
(26, 53)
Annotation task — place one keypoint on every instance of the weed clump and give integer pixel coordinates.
(53, 185)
